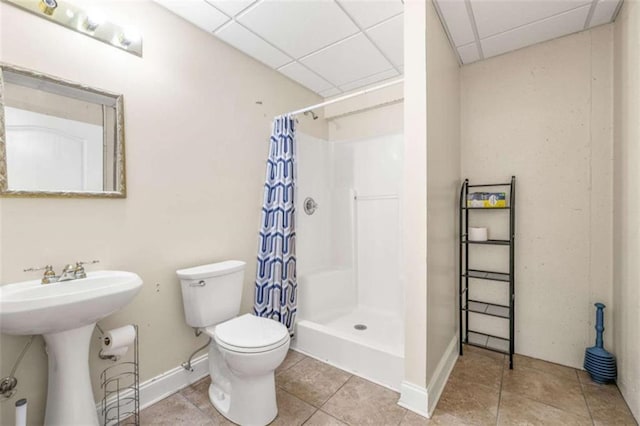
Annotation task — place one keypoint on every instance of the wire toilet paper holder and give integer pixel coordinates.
(120, 384)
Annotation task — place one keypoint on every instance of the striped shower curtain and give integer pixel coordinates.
(276, 285)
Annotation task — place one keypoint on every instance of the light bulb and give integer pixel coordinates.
(93, 21)
(129, 36)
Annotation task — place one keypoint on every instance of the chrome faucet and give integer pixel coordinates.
(69, 272)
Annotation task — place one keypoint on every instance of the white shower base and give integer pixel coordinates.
(377, 353)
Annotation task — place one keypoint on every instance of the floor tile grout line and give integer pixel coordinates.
(204, 413)
(309, 418)
(323, 412)
(295, 363)
(584, 386)
(552, 404)
(351, 376)
(196, 405)
(500, 392)
(310, 415)
(585, 398)
(316, 409)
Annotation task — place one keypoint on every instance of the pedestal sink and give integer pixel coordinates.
(65, 313)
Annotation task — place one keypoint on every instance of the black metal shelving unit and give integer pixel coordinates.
(507, 312)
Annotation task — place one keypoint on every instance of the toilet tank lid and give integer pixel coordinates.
(211, 270)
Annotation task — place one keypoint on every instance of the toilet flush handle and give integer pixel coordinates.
(200, 283)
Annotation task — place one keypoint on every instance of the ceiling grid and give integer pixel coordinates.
(501, 26)
(335, 46)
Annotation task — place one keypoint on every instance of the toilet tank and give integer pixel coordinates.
(211, 293)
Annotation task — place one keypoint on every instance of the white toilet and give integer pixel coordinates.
(244, 350)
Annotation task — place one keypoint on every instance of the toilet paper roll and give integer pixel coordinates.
(478, 234)
(114, 341)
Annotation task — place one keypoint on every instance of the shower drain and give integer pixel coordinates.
(360, 327)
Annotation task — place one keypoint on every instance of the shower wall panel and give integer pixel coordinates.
(313, 240)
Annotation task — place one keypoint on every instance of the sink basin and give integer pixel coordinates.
(65, 313)
(29, 307)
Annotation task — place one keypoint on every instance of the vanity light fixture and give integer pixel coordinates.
(91, 23)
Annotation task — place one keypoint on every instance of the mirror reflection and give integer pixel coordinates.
(59, 138)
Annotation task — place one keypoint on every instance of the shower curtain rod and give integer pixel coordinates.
(345, 97)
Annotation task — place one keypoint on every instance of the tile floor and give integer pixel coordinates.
(481, 391)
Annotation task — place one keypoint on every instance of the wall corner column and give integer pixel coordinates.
(414, 208)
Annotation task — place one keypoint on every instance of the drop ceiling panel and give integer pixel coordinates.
(302, 75)
(244, 40)
(349, 60)
(454, 12)
(469, 53)
(298, 28)
(496, 16)
(556, 26)
(369, 80)
(231, 7)
(389, 37)
(198, 12)
(506, 25)
(603, 13)
(370, 12)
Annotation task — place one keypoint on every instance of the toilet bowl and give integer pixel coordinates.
(243, 355)
(244, 350)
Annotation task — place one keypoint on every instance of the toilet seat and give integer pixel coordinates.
(249, 334)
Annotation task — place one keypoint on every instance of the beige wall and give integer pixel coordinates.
(544, 114)
(372, 122)
(196, 149)
(372, 114)
(443, 180)
(626, 287)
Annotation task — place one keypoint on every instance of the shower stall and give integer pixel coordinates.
(350, 301)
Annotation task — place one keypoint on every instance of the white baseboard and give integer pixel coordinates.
(165, 384)
(441, 375)
(414, 398)
(422, 400)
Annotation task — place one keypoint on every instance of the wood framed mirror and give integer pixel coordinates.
(59, 138)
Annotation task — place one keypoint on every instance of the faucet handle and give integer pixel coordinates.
(42, 268)
(49, 274)
(79, 270)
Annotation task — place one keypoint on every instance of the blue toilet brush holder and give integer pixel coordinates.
(599, 363)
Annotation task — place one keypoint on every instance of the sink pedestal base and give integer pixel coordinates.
(70, 395)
